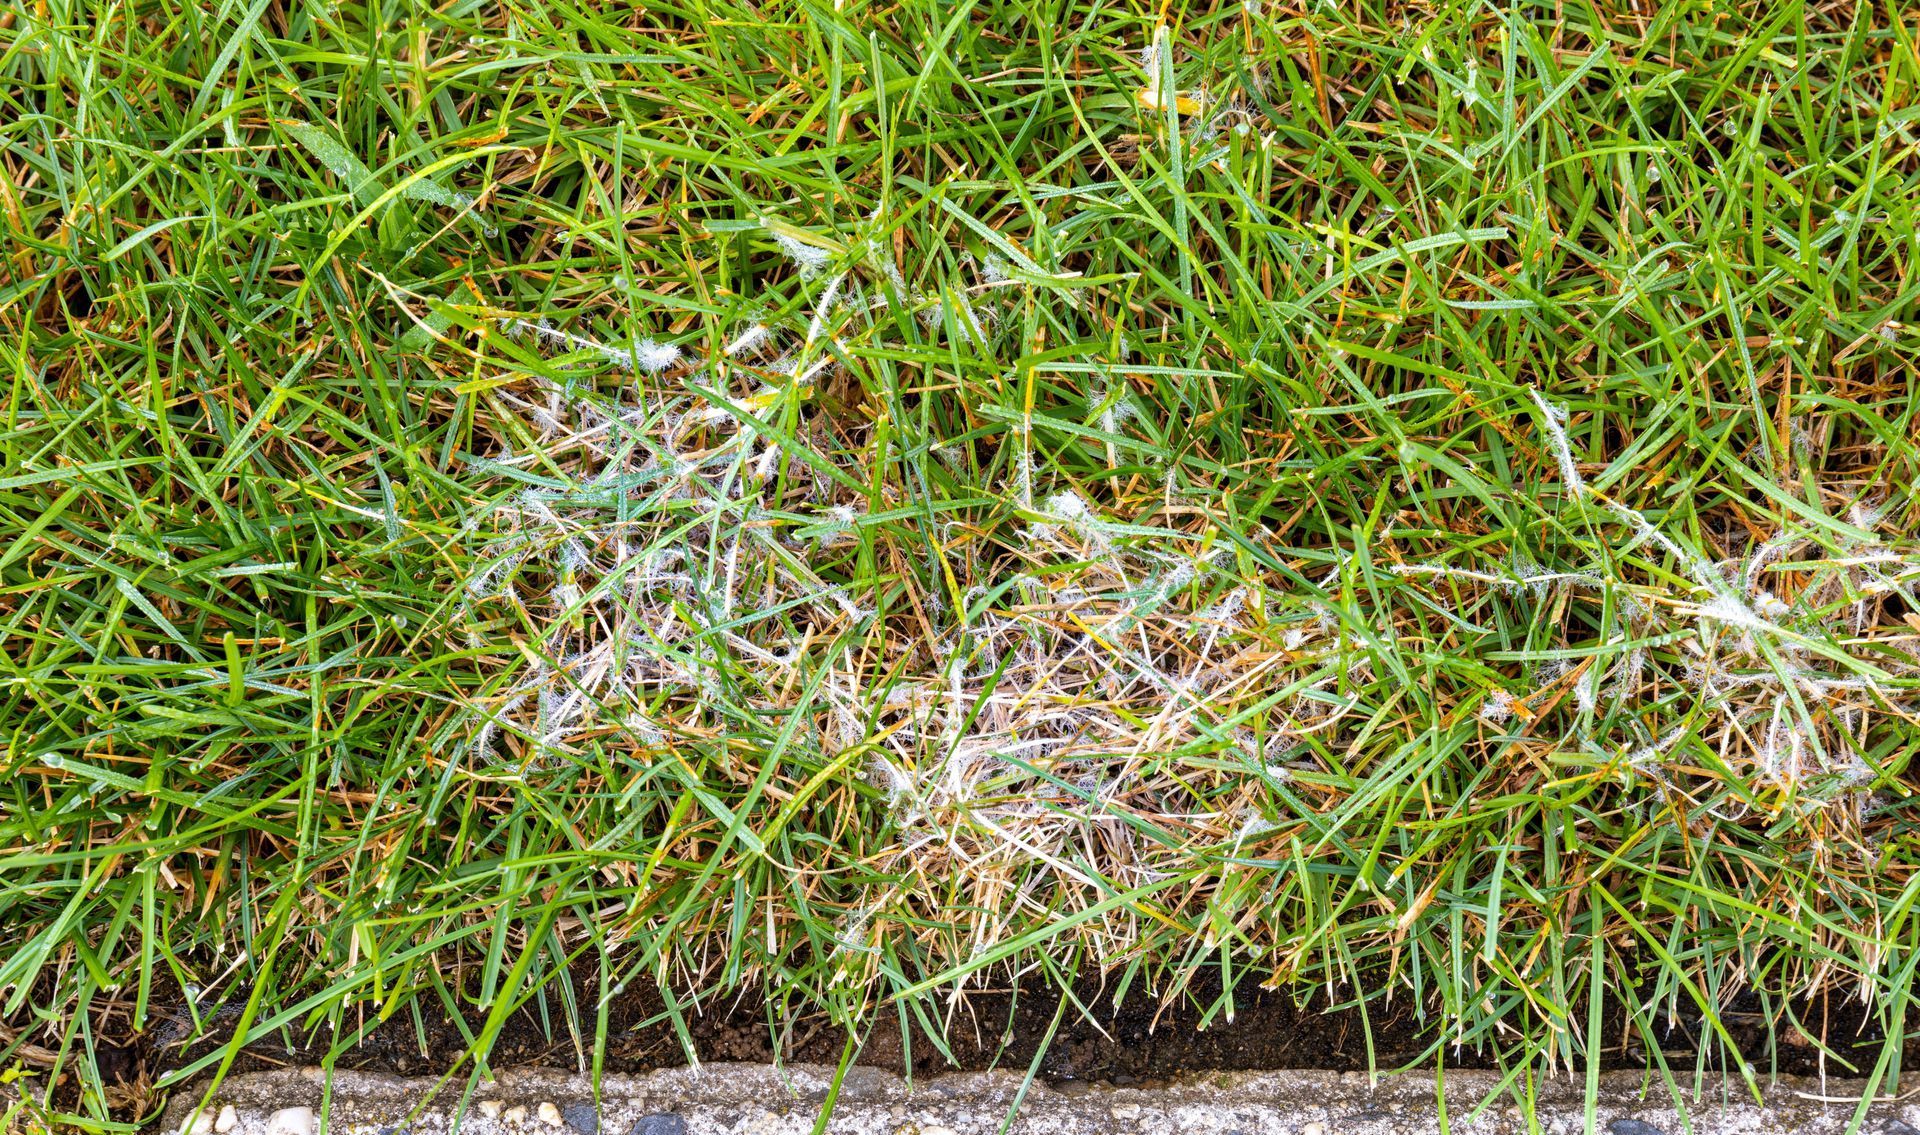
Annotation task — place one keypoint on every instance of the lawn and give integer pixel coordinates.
(1400, 503)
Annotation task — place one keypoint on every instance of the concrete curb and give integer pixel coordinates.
(753, 1099)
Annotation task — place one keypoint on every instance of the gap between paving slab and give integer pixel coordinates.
(754, 1099)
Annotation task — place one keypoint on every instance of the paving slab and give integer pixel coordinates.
(755, 1099)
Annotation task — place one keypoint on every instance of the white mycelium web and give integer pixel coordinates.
(1101, 700)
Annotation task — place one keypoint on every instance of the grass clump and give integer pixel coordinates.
(1394, 503)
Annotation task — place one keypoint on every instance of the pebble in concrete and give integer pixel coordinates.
(582, 1117)
(491, 1108)
(663, 1123)
(227, 1120)
(1632, 1127)
(291, 1121)
(549, 1114)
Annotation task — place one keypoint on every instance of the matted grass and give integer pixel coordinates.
(1391, 501)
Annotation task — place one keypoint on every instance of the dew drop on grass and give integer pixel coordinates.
(329, 152)
(423, 189)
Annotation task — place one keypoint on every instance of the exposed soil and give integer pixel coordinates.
(1140, 1041)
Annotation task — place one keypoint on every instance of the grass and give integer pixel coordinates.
(1395, 502)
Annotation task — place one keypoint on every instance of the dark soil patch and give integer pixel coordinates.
(1139, 1040)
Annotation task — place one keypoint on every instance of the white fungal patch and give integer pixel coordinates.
(654, 357)
(752, 339)
(1553, 422)
(810, 259)
(1010, 682)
